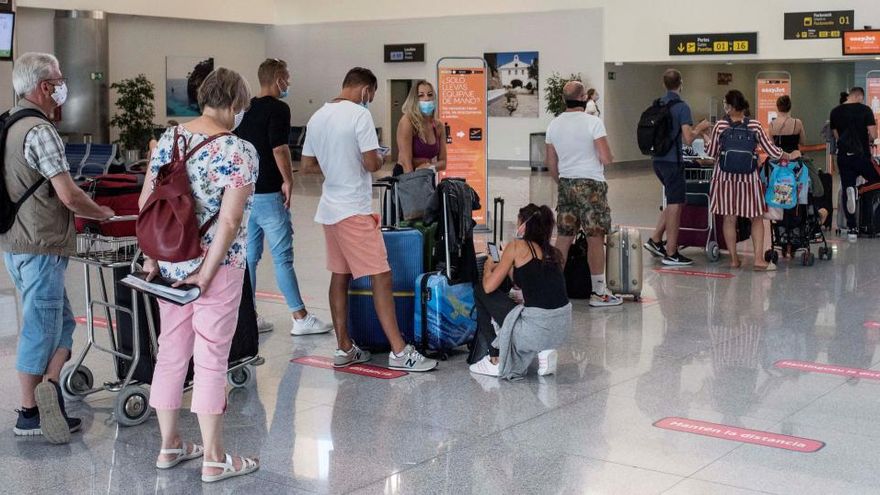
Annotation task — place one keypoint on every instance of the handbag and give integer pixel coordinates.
(167, 226)
(415, 190)
(578, 283)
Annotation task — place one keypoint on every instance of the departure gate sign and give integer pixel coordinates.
(713, 44)
(817, 25)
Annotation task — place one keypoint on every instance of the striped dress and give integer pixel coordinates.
(741, 195)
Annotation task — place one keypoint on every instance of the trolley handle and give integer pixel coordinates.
(121, 218)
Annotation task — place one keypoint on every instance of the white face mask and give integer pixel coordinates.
(236, 121)
(60, 94)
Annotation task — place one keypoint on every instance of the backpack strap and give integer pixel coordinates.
(9, 119)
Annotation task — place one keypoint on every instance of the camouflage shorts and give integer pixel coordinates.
(583, 205)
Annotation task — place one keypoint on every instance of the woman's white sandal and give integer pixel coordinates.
(248, 466)
(182, 455)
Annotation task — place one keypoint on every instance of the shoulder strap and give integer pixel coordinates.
(8, 122)
(189, 154)
(532, 250)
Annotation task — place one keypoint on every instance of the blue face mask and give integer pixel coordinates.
(365, 99)
(283, 93)
(427, 107)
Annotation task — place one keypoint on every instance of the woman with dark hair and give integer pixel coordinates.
(542, 322)
(741, 194)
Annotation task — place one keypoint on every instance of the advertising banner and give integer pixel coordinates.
(462, 109)
(872, 88)
(861, 43)
(768, 91)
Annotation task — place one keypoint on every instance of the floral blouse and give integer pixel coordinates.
(225, 162)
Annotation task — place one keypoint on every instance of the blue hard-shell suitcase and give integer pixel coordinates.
(445, 313)
(405, 249)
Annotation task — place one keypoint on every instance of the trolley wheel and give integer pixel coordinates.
(132, 405)
(81, 381)
(828, 253)
(808, 259)
(242, 377)
(713, 251)
(823, 252)
(771, 256)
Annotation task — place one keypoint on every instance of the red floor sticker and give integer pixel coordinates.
(693, 273)
(828, 369)
(744, 435)
(872, 324)
(355, 369)
(99, 322)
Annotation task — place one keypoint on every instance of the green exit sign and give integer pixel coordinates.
(97, 76)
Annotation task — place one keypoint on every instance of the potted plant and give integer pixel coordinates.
(134, 117)
(553, 92)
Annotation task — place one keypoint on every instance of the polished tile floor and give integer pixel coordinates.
(697, 347)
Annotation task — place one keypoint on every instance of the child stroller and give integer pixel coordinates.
(799, 226)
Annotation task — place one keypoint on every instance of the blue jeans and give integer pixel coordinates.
(48, 319)
(271, 220)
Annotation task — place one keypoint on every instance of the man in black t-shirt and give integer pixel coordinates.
(266, 125)
(855, 131)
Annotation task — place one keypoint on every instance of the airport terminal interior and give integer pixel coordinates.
(708, 379)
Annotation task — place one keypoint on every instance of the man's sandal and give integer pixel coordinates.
(248, 466)
(182, 454)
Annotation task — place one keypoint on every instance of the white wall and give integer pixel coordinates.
(321, 54)
(140, 45)
(250, 11)
(635, 30)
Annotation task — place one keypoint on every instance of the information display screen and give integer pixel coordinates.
(7, 21)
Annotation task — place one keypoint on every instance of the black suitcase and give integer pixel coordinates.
(869, 210)
(245, 341)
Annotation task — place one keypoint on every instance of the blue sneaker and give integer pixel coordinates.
(27, 427)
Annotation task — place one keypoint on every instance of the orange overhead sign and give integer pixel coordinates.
(768, 91)
(462, 109)
(861, 42)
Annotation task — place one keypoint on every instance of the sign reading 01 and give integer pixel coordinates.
(713, 44)
(817, 25)
(412, 52)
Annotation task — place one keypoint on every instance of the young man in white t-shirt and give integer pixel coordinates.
(577, 153)
(341, 139)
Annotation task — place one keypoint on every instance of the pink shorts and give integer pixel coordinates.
(355, 245)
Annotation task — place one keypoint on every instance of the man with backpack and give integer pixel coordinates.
(855, 129)
(663, 129)
(37, 235)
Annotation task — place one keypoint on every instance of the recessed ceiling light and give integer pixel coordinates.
(618, 64)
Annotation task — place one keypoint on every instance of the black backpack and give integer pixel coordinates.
(9, 208)
(578, 283)
(738, 145)
(655, 133)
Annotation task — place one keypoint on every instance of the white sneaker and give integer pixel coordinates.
(485, 367)
(852, 235)
(410, 360)
(263, 325)
(310, 325)
(607, 299)
(355, 355)
(547, 361)
(851, 200)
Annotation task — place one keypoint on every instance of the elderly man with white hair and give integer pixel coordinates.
(577, 154)
(37, 240)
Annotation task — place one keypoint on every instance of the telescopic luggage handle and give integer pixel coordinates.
(388, 185)
(498, 221)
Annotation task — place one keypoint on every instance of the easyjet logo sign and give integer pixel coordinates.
(861, 43)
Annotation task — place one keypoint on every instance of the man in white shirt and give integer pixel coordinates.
(577, 153)
(341, 139)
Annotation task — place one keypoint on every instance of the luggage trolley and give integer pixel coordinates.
(101, 255)
(695, 232)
